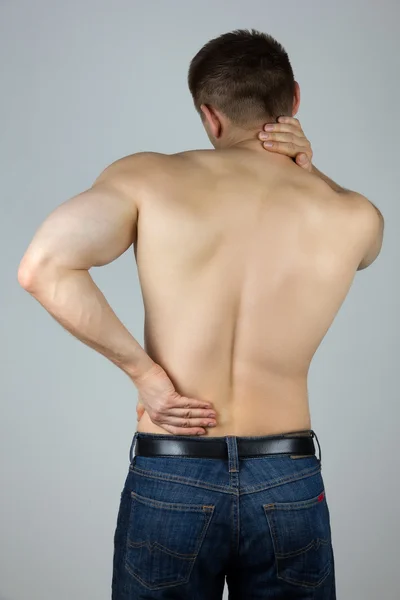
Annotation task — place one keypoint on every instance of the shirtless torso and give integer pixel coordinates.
(244, 259)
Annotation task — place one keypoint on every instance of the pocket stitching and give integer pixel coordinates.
(206, 510)
(162, 548)
(307, 583)
(297, 505)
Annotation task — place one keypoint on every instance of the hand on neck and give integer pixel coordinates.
(249, 140)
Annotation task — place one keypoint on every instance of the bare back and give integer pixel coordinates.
(244, 261)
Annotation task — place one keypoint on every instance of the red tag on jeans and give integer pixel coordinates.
(321, 496)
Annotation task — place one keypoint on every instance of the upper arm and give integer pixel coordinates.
(371, 223)
(94, 227)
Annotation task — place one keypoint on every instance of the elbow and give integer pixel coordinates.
(38, 274)
(31, 273)
(27, 274)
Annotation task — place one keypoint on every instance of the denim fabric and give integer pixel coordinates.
(186, 524)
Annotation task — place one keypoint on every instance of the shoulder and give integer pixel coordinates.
(132, 165)
(131, 175)
(363, 210)
(135, 165)
(368, 223)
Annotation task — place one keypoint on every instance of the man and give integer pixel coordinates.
(244, 257)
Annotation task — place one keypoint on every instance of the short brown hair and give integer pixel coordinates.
(246, 74)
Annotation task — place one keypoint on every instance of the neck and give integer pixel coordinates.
(248, 140)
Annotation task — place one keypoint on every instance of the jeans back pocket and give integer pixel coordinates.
(164, 539)
(301, 537)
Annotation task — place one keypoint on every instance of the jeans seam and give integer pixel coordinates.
(282, 481)
(226, 489)
(182, 480)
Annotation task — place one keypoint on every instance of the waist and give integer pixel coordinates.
(294, 443)
(247, 422)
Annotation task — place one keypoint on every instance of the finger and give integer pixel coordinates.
(283, 127)
(289, 149)
(304, 161)
(188, 423)
(190, 413)
(290, 120)
(182, 431)
(271, 136)
(140, 412)
(184, 402)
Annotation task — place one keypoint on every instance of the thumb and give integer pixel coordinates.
(140, 411)
(302, 159)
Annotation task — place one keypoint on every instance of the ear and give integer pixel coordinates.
(211, 120)
(296, 99)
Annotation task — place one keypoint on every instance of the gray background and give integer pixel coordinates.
(84, 83)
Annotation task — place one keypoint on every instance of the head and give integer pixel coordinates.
(240, 81)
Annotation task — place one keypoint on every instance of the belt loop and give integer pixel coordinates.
(131, 448)
(233, 457)
(319, 447)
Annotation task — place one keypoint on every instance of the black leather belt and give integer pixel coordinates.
(290, 443)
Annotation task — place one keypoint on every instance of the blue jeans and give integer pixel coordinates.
(187, 523)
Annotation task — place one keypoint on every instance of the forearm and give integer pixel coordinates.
(75, 301)
(330, 182)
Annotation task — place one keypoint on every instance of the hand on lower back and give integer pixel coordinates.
(166, 408)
